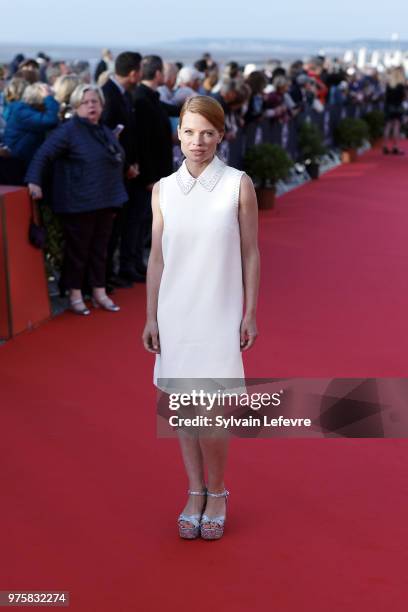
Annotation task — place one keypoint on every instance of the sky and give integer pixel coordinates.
(123, 22)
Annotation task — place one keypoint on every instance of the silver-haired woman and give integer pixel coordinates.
(87, 191)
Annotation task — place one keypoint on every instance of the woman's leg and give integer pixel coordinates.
(78, 229)
(215, 451)
(191, 454)
(194, 466)
(214, 443)
(193, 459)
(102, 232)
(387, 132)
(396, 132)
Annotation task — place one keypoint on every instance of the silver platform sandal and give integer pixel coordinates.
(213, 533)
(190, 533)
(105, 303)
(79, 311)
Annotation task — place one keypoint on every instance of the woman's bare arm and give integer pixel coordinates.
(155, 266)
(248, 222)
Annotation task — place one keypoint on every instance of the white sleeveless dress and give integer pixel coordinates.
(200, 302)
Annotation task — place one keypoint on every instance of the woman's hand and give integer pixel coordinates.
(133, 171)
(46, 90)
(248, 332)
(248, 225)
(150, 337)
(35, 191)
(5, 152)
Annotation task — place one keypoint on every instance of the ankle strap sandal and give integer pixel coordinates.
(207, 529)
(192, 532)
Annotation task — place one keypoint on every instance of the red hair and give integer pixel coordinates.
(207, 107)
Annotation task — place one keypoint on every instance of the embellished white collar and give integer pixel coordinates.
(208, 178)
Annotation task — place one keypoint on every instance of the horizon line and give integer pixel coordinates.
(224, 39)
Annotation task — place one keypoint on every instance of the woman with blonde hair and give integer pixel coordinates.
(12, 92)
(29, 120)
(104, 77)
(12, 168)
(63, 88)
(395, 95)
(15, 89)
(203, 269)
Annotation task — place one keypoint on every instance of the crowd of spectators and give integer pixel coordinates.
(278, 91)
(140, 101)
(247, 93)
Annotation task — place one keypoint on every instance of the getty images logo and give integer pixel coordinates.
(255, 401)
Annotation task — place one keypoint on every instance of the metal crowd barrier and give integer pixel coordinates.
(285, 134)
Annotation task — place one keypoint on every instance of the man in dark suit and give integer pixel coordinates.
(154, 137)
(153, 127)
(119, 116)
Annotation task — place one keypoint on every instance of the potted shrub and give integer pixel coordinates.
(375, 121)
(350, 135)
(53, 251)
(311, 147)
(266, 164)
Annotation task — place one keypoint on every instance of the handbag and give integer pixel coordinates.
(37, 234)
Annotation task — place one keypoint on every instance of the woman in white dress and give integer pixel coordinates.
(202, 289)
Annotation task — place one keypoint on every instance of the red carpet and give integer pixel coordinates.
(90, 496)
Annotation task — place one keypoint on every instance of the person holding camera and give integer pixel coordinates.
(29, 120)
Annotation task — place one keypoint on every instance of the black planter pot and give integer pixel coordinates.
(313, 170)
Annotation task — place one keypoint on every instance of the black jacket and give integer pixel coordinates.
(87, 170)
(394, 96)
(153, 135)
(118, 109)
(101, 67)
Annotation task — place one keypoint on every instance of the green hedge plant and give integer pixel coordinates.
(267, 163)
(351, 133)
(310, 142)
(375, 121)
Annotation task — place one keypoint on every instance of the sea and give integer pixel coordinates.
(244, 51)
